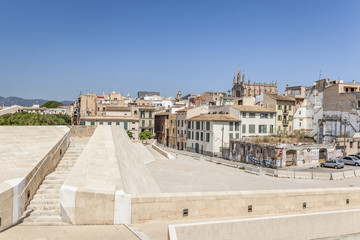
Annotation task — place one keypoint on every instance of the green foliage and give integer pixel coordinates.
(51, 104)
(129, 133)
(145, 135)
(24, 118)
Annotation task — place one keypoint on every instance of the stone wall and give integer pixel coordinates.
(299, 226)
(82, 131)
(164, 207)
(16, 194)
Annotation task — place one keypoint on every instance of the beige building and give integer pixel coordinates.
(284, 107)
(181, 118)
(243, 89)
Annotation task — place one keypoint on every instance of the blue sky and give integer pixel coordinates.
(55, 49)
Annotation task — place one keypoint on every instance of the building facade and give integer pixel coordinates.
(284, 107)
(242, 89)
(208, 134)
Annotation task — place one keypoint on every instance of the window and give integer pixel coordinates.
(252, 128)
(92, 124)
(271, 128)
(207, 137)
(271, 115)
(198, 125)
(192, 135)
(237, 126)
(142, 114)
(171, 121)
(135, 112)
(202, 136)
(237, 135)
(279, 107)
(263, 115)
(244, 115)
(231, 126)
(150, 123)
(125, 125)
(289, 108)
(208, 126)
(197, 136)
(251, 115)
(299, 124)
(202, 125)
(299, 113)
(150, 114)
(189, 125)
(98, 109)
(117, 123)
(143, 123)
(103, 109)
(279, 118)
(178, 123)
(244, 128)
(182, 123)
(231, 136)
(192, 125)
(173, 130)
(262, 129)
(279, 128)
(189, 135)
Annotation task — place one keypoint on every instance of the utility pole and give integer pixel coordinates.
(222, 141)
(345, 122)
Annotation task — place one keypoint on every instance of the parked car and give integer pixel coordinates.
(335, 163)
(356, 155)
(351, 160)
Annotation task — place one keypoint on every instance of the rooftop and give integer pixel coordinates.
(215, 118)
(249, 108)
(281, 97)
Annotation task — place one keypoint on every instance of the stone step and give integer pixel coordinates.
(65, 164)
(53, 181)
(47, 191)
(56, 177)
(44, 207)
(43, 219)
(44, 213)
(63, 168)
(46, 196)
(69, 159)
(45, 201)
(50, 186)
(45, 224)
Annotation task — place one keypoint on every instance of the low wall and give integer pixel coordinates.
(82, 131)
(16, 194)
(163, 207)
(162, 152)
(299, 226)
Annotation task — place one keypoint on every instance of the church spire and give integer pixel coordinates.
(243, 77)
(238, 76)
(276, 83)
(249, 81)
(234, 79)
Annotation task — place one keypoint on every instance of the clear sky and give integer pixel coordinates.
(55, 49)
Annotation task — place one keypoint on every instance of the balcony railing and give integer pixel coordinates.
(285, 122)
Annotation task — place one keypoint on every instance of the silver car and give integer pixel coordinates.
(335, 163)
(351, 160)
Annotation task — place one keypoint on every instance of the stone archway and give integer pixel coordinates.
(322, 155)
(291, 158)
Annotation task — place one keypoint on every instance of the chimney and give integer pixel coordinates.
(353, 81)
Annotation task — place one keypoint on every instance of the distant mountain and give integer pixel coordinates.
(10, 101)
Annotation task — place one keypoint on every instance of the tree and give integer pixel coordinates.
(24, 118)
(145, 135)
(129, 133)
(51, 104)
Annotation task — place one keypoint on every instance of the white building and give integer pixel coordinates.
(182, 116)
(254, 120)
(131, 124)
(209, 133)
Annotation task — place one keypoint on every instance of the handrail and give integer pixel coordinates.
(42, 162)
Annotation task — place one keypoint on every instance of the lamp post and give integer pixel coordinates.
(345, 123)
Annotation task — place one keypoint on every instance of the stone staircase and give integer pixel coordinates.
(44, 208)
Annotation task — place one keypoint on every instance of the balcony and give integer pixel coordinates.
(285, 122)
(285, 112)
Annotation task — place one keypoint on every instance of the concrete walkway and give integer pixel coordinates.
(88, 232)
